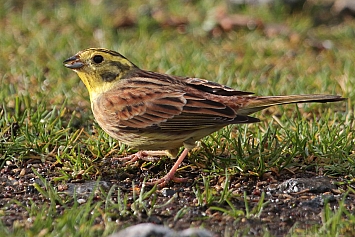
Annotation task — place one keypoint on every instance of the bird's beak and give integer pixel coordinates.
(73, 62)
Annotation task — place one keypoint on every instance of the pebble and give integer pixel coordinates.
(149, 229)
(81, 201)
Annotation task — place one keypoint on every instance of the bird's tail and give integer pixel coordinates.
(257, 103)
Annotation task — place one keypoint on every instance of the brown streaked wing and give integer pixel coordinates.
(162, 102)
(139, 107)
(214, 88)
(197, 83)
(188, 121)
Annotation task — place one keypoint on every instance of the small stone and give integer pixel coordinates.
(167, 192)
(316, 185)
(195, 232)
(144, 230)
(149, 230)
(81, 201)
(23, 172)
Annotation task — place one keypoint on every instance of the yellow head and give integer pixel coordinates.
(99, 69)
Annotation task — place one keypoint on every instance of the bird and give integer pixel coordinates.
(157, 113)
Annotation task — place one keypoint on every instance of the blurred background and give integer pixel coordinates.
(266, 46)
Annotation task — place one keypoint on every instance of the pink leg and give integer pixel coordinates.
(141, 155)
(171, 175)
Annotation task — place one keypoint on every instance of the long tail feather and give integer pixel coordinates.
(257, 103)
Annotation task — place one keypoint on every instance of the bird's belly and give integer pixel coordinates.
(143, 140)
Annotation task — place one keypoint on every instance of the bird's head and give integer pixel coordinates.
(99, 68)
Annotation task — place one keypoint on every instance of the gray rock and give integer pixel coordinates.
(262, 2)
(152, 230)
(319, 184)
(253, 2)
(344, 7)
(317, 202)
(85, 189)
(195, 232)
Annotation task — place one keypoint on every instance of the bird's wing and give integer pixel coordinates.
(213, 87)
(164, 107)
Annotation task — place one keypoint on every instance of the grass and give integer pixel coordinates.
(48, 135)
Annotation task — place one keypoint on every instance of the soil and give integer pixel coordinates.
(292, 201)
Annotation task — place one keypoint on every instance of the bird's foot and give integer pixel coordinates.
(162, 182)
(141, 155)
(171, 175)
(149, 155)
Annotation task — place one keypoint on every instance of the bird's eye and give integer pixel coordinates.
(98, 58)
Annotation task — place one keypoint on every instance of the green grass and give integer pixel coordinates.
(45, 115)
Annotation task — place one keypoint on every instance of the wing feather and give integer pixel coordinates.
(144, 107)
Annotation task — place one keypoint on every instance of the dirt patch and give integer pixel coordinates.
(294, 201)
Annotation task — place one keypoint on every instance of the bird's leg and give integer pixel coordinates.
(142, 155)
(171, 174)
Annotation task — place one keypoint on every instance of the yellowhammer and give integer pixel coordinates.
(152, 111)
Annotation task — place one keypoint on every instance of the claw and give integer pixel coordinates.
(147, 155)
(133, 158)
(171, 175)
